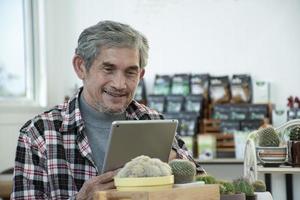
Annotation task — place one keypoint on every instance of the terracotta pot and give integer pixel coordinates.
(233, 196)
(294, 153)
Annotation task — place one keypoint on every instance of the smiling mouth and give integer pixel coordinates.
(114, 94)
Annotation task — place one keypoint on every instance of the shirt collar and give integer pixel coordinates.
(71, 114)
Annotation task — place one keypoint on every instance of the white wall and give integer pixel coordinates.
(221, 37)
(259, 37)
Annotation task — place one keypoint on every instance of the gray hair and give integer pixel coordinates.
(109, 34)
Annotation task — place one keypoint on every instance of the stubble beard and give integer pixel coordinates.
(102, 108)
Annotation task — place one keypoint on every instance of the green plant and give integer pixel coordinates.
(242, 185)
(184, 171)
(207, 179)
(144, 166)
(259, 186)
(226, 187)
(267, 137)
(295, 133)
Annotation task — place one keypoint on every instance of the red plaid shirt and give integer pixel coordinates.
(53, 157)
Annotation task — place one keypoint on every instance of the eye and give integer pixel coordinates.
(132, 72)
(107, 69)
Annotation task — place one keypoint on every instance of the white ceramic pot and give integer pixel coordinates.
(263, 196)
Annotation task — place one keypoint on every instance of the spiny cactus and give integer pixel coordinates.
(184, 171)
(267, 137)
(242, 185)
(259, 186)
(226, 187)
(295, 133)
(207, 179)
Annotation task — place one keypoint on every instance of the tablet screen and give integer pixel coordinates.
(131, 138)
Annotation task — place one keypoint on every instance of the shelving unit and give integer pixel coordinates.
(225, 146)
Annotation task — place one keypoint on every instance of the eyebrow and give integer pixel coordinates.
(108, 64)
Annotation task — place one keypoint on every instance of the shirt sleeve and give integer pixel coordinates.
(30, 175)
(183, 153)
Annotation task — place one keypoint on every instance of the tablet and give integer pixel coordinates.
(131, 138)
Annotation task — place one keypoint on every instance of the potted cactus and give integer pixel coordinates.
(242, 185)
(260, 190)
(269, 152)
(227, 192)
(227, 189)
(294, 146)
(184, 171)
(144, 173)
(259, 186)
(207, 179)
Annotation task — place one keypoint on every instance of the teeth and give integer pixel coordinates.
(114, 94)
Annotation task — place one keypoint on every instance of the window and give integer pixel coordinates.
(16, 60)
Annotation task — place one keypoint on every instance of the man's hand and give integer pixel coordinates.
(98, 183)
(173, 155)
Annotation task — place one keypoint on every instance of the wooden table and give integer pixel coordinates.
(204, 192)
(6, 185)
(287, 170)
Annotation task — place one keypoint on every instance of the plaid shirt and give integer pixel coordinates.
(53, 157)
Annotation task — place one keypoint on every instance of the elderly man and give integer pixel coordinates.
(60, 152)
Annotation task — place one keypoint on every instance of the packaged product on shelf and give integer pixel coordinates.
(193, 103)
(219, 91)
(229, 126)
(206, 146)
(241, 88)
(188, 123)
(261, 92)
(174, 103)
(200, 84)
(162, 85)
(180, 84)
(221, 111)
(156, 102)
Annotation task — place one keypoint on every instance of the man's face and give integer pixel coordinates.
(110, 83)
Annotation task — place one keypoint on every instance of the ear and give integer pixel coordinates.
(79, 67)
(142, 73)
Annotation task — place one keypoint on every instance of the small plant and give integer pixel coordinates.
(226, 187)
(144, 166)
(207, 179)
(295, 133)
(259, 186)
(267, 137)
(242, 185)
(184, 171)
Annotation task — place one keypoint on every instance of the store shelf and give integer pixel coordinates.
(281, 169)
(228, 161)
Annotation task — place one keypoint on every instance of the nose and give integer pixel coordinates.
(119, 81)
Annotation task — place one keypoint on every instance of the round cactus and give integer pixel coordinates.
(259, 186)
(184, 171)
(295, 133)
(207, 179)
(243, 185)
(226, 187)
(267, 137)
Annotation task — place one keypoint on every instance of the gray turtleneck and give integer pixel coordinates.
(97, 128)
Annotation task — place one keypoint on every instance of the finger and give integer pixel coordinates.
(109, 185)
(108, 176)
(102, 187)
